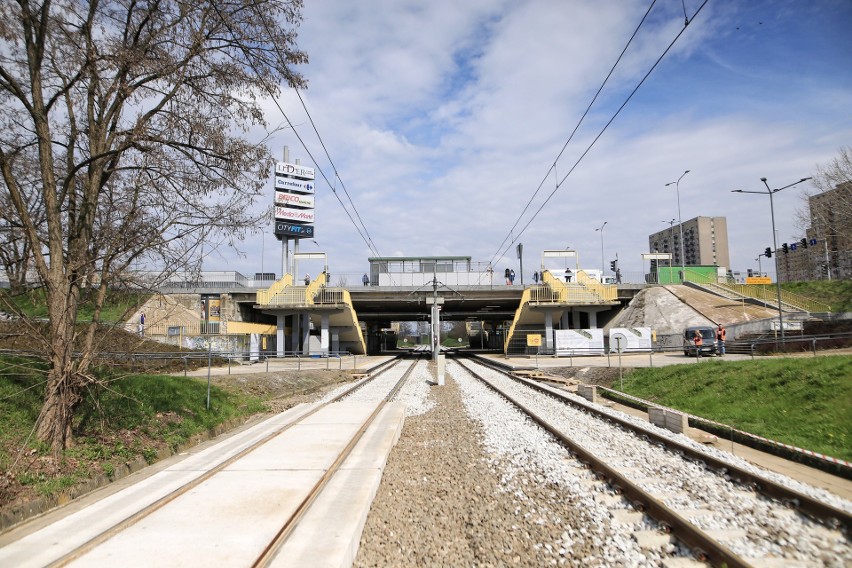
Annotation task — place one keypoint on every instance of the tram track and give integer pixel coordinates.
(167, 500)
(666, 491)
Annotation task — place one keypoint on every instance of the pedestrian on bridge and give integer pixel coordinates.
(365, 279)
(307, 279)
(568, 275)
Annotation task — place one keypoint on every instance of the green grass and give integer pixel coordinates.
(117, 306)
(805, 402)
(835, 293)
(118, 421)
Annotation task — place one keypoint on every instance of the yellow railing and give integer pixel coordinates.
(264, 297)
(584, 291)
(525, 300)
(606, 292)
(347, 299)
(201, 327)
(764, 292)
(769, 293)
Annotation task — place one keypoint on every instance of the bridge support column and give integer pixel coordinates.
(306, 334)
(295, 332)
(548, 329)
(593, 319)
(324, 335)
(281, 335)
(565, 320)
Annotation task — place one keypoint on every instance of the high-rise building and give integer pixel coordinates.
(828, 239)
(705, 242)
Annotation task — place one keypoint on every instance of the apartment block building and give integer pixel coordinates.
(828, 240)
(705, 242)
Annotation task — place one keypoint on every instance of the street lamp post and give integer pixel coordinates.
(680, 221)
(671, 233)
(774, 240)
(602, 249)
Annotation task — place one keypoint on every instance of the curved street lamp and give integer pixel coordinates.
(680, 221)
(774, 241)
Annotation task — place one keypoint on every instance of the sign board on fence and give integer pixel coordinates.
(574, 342)
(758, 280)
(534, 340)
(632, 338)
(788, 325)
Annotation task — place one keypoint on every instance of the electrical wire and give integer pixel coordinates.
(499, 255)
(576, 128)
(282, 61)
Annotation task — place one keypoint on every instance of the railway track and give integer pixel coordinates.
(237, 505)
(670, 489)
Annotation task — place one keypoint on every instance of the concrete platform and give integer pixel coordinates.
(227, 520)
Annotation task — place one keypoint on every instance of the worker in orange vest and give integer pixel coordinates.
(720, 340)
(698, 341)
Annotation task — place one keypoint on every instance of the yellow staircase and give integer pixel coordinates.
(319, 298)
(554, 293)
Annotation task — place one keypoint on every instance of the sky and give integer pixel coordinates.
(446, 121)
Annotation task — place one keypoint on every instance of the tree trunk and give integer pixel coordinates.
(61, 397)
(64, 385)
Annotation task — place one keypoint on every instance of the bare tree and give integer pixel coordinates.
(134, 113)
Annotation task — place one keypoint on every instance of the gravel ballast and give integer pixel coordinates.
(472, 482)
(445, 499)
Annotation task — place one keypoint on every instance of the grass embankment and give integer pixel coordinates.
(835, 293)
(125, 417)
(804, 402)
(119, 304)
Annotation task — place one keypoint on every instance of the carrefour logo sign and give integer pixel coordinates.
(291, 184)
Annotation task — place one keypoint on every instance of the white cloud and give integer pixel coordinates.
(442, 118)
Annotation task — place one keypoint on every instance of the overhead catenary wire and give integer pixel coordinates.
(573, 132)
(501, 253)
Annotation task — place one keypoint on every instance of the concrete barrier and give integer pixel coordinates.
(670, 420)
(589, 392)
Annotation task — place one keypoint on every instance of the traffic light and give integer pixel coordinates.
(804, 243)
(613, 265)
(785, 248)
(768, 252)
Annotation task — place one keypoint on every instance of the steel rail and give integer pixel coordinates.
(703, 545)
(271, 550)
(148, 510)
(816, 509)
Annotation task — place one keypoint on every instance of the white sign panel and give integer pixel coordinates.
(630, 339)
(299, 215)
(293, 170)
(291, 184)
(574, 342)
(294, 199)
